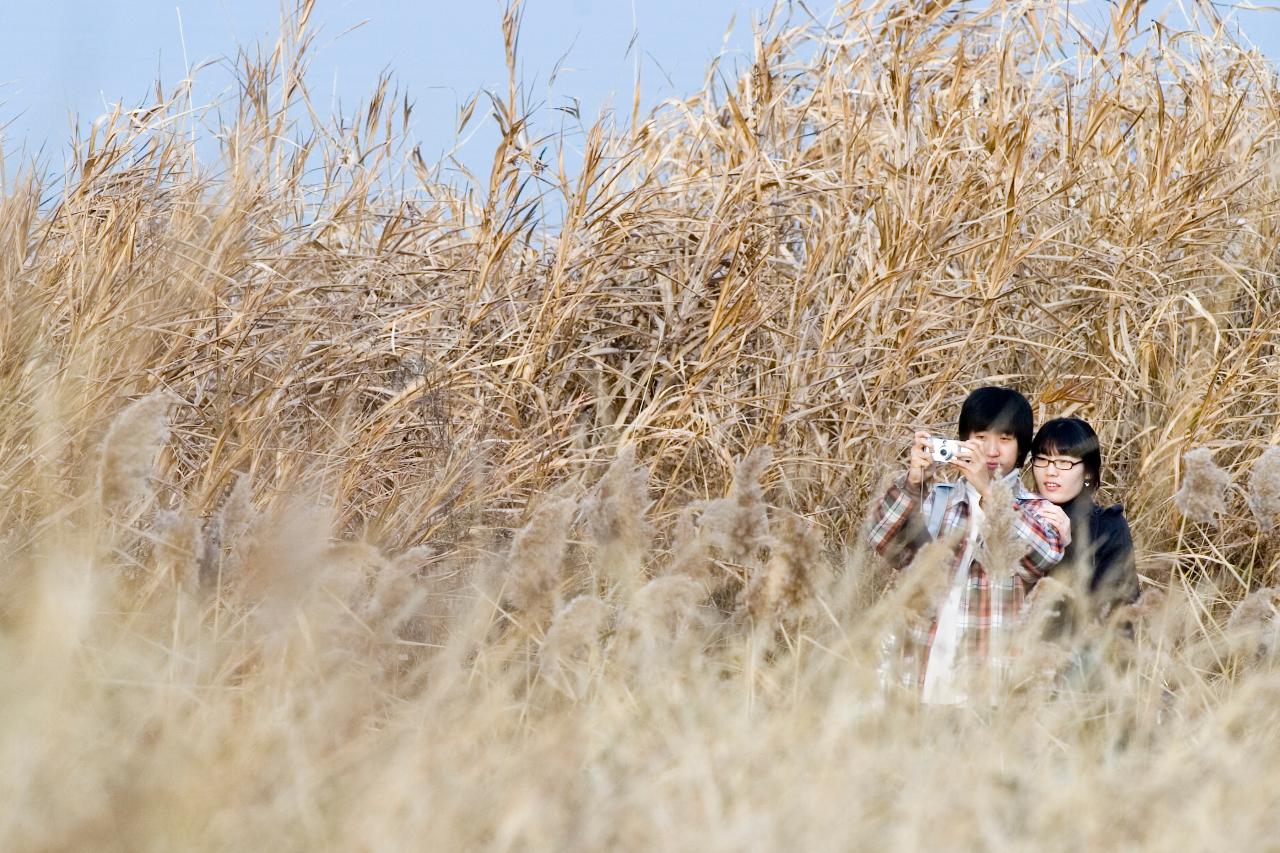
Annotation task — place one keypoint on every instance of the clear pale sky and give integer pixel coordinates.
(59, 57)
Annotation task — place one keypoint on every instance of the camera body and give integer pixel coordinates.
(944, 449)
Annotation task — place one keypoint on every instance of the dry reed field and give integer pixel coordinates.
(347, 508)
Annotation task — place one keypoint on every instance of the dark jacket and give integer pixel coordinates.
(1101, 550)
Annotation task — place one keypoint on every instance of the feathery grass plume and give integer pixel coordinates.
(615, 519)
(783, 588)
(1053, 613)
(738, 525)
(1202, 497)
(1115, 640)
(231, 528)
(1044, 647)
(912, 601)
(1150, 602)
(415, 560)
(918, 587)
(535, 562)
(570, 653)
(861, 581)
(237, 513)
(442, 590)
(1264, 488)
(1000, 548)
(689, 555)
(349, 571)
(396, 593)
(178, 544)
(287, 565)
(1253, 629)
(357, 578)
(661, 626)
(129, 451)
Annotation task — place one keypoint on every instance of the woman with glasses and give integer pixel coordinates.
(1066, 460)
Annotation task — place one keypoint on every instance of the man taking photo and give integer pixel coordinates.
(966, 640)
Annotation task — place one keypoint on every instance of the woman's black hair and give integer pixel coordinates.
(998, 409)
(1072, 437)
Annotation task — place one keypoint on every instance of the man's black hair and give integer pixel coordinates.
(999, 410)
(1075, 438)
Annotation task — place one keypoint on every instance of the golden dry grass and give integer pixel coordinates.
(270, 427)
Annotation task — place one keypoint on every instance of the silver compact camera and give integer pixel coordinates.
(944, 449)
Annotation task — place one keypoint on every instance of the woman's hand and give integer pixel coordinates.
(920, 466)
(1057, 518)
(973, 465)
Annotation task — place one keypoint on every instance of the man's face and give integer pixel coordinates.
(999, 450)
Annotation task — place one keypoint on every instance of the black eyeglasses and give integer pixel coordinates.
(1059, 464)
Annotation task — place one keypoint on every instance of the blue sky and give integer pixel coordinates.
(60, 57)
(65, 56)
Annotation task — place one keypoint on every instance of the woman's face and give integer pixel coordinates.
(1055, 485)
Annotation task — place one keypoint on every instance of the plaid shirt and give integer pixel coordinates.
(990, 607)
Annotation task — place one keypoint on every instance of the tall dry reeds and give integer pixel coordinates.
(235, 391)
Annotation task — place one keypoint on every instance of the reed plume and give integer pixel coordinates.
(1264, 488)
(1253, 629)
(570, 653)
(615, 519)
(178, 544)
(1202, 497)
(536, 559)
(129, 451)
(661, 627)
(783, 587)
(1000, 549)
(737, 525)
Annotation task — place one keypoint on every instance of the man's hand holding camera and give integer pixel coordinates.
(920, 465)
(973, 467)
(964, 455)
